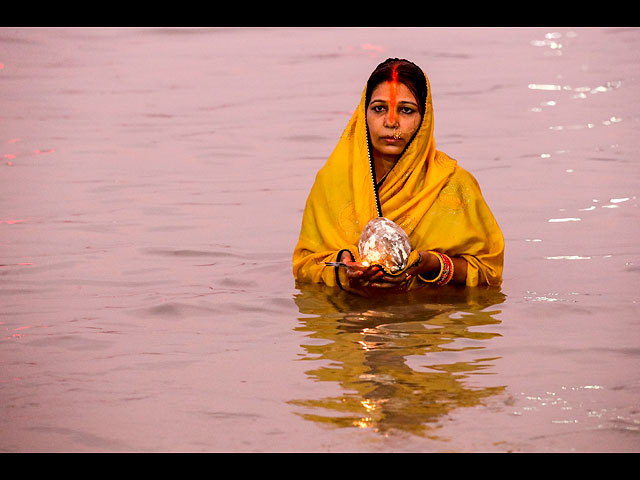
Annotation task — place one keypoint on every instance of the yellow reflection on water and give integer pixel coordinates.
(402, 362)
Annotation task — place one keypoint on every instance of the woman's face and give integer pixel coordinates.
(393, 117)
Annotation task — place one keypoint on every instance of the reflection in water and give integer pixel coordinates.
(367, 346)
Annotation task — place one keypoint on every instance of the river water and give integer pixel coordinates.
(152, 182)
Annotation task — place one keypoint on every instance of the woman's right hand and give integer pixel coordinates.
(359, 276)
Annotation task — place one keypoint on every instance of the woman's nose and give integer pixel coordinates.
(391, 119)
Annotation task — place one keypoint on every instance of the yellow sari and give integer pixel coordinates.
(436, 202)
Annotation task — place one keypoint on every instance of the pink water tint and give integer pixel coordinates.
(148, 301)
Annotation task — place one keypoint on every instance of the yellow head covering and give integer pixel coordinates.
(436, 202)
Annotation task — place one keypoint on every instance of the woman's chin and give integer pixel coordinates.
(390, 149)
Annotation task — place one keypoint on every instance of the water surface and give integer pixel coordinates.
(152, 187)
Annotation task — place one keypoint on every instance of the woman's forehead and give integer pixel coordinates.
(383, 91)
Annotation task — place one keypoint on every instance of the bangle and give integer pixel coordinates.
(337, 269)
(446, 270)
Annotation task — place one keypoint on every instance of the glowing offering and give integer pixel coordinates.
(384, 243)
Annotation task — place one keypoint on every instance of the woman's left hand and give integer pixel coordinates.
(426, 263)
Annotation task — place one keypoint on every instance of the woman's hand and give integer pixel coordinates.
(365, 279)
(359, 276)
(428, 266)
(426, 263)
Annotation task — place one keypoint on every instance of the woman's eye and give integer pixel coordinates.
(383, 108)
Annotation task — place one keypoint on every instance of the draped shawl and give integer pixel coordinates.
(437, 203)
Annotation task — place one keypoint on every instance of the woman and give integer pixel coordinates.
(386, 164)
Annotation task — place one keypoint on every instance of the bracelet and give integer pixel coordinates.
(337, 269)
(446, 270)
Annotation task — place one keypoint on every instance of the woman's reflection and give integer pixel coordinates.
(371, 344)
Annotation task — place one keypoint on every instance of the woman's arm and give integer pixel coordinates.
(428, 268)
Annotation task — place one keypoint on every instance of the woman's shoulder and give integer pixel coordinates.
(459, 174)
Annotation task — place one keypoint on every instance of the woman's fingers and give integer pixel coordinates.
(404, 277)
(359, 270)
(363, 276)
